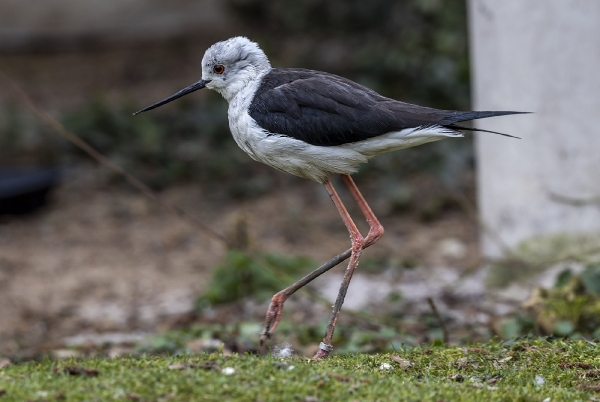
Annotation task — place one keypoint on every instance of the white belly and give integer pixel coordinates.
(290, 155)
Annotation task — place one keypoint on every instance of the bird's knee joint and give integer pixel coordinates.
(278, 298)
(358, 244)
(376, 232)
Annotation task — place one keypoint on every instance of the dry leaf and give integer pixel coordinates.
(590, 387)
(4, 363)
(338, 377)
(176, 366)
(457, 377)
(76, 370)
(478, 351)
(462, 362)
(402, 362)
(581, 365)
(211, 366)
(132, 397)
(592, 374)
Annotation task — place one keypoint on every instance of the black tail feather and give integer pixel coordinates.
(457, 127)
(456, 117)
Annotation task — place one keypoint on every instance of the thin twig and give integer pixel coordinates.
(439, 318)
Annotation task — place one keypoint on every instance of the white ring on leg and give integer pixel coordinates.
(325, 347)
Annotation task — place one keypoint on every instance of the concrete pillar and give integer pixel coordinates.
(541, 56)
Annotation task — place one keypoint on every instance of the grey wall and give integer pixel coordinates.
(541, 56)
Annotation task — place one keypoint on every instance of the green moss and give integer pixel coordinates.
(570, 308)
(528, 370)
(536, 254)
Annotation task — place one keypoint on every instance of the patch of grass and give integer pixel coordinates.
(242, 336)
(571, 307)
(527, 370)
(240, 276)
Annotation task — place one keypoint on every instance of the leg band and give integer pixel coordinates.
(325, 347)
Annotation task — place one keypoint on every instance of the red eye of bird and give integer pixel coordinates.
(219, 69)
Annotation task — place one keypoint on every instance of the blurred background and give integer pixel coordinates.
(482, 240)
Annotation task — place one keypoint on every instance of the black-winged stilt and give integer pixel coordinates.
(314, 124)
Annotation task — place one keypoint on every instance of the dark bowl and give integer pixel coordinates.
(23, 190)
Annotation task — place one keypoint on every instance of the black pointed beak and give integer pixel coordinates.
(194, 87)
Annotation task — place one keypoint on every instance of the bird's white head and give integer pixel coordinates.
(231, 64)
(227, 67)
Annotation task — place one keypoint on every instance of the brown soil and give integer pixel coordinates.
(101, 257)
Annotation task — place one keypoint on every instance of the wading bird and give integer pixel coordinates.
(314, 124)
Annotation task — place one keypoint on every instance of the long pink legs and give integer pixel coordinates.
(358, 244)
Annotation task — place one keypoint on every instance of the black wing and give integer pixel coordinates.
(325, 109)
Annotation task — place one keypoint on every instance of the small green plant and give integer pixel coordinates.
(572, 307)
(532, 256)
(240, 276)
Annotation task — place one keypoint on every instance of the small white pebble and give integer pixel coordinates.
(228, 370)
(539, 380)
(385, 366)
(291, 368)
(283, 351)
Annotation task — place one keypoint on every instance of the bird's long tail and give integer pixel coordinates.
(454, 117)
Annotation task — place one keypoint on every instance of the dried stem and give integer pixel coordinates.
(439, 318)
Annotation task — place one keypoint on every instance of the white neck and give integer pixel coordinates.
(241, 82)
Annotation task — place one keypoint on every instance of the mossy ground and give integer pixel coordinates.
(527, 370)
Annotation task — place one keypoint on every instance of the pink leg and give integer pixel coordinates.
(375, 228)
(275, 309)
(358, 244)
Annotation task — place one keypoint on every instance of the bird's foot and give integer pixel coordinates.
(274, 313)
(323, 352)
